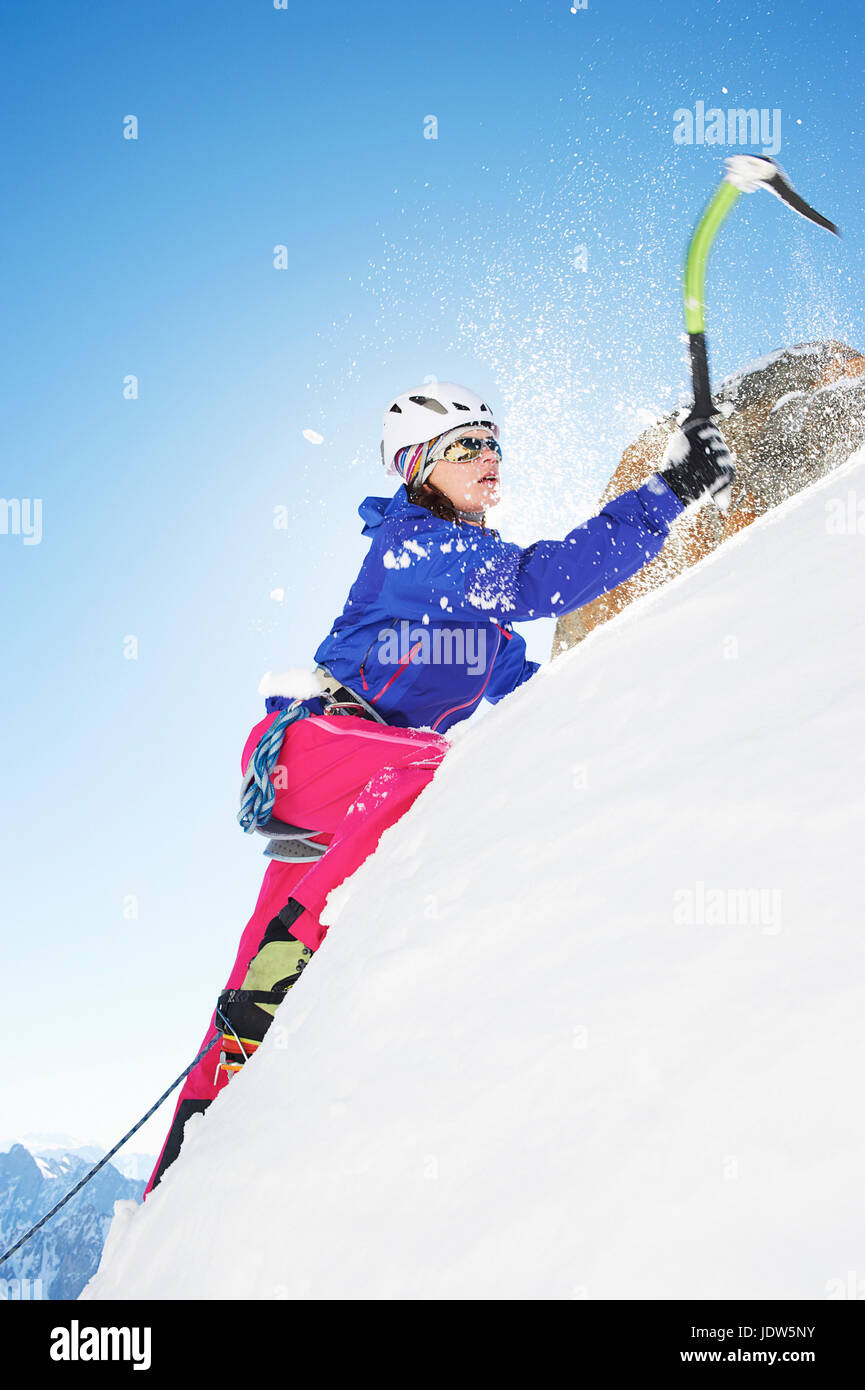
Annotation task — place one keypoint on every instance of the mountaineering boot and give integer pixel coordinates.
(245, 1014)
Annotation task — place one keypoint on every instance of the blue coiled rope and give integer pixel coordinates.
(257, 806)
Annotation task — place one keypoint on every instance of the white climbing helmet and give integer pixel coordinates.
(423, 414)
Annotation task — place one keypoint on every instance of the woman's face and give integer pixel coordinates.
(471, 486)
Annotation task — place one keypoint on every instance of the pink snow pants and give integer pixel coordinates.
(347, 779)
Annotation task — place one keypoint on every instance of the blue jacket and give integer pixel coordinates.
(426, 633)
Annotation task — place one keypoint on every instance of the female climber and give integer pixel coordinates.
(425, 635)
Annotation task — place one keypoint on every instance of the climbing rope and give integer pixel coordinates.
(256, 808)
(102, 1162)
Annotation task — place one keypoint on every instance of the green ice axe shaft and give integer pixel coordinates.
(745, 174)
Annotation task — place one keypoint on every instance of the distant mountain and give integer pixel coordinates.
(45, 1144)
(60, 1258)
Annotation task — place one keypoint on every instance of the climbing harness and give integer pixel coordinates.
(286, 843)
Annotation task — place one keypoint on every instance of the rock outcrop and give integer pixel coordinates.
(790, 419)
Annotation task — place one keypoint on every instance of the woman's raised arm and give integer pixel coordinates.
(472, 575)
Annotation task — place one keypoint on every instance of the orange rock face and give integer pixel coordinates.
(788, 420)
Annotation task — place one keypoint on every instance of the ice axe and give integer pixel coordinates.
(745, 174)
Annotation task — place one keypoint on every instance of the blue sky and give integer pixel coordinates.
(407, 257)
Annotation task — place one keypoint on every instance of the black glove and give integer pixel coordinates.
(698, 466)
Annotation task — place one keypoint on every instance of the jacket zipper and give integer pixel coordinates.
(398, 672)
(366, 654)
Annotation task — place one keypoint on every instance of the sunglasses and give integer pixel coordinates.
(469, 447)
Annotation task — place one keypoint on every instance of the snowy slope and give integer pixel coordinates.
(603, 1038)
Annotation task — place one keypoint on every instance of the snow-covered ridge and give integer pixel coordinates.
(590, 1022)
